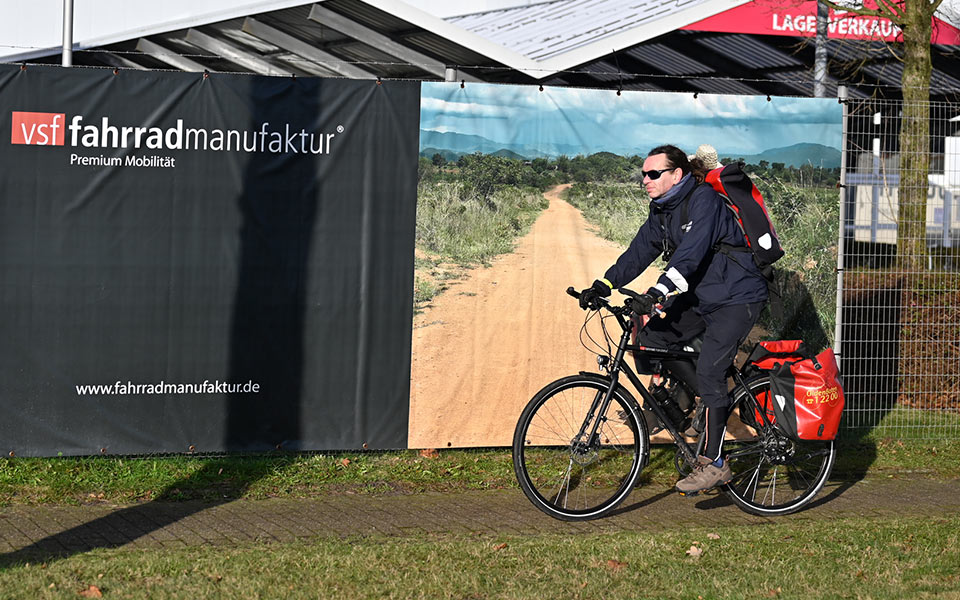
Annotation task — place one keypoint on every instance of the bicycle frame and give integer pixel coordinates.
(787, 473)
(619, 365)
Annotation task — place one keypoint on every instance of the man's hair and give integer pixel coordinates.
(676, 158)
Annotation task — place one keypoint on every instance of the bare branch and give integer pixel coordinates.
(885, 8)
(892, 9)
(866, 12)
(893, 52)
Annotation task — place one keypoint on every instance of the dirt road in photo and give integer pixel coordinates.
(488, 343)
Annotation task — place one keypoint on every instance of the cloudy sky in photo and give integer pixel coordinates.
(632, 123)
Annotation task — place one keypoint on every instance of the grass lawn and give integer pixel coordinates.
(857, 557)
(124, 480)
(851, 558)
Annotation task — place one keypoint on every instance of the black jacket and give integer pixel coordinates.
(717, 278)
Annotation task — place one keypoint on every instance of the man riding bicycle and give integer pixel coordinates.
(705, 290)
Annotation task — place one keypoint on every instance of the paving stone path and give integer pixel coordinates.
(32, 532)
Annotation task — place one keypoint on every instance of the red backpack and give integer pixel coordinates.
(744, 199)
(806, 392)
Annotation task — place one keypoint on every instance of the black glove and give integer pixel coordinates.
(645, 302)
(589, 296)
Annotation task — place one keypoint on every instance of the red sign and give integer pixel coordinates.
(799, 19)
(37, 129)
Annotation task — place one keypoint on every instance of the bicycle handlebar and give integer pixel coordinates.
(627, 304)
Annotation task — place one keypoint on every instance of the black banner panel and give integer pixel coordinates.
(207, 263)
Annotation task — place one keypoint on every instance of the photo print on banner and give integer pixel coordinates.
(524, 191)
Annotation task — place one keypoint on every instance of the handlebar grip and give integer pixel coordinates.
(632, 296)
(573, 292)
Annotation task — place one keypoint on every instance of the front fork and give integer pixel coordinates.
(601, 401)
(588, 434)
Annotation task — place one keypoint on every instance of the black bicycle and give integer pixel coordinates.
(582, 441)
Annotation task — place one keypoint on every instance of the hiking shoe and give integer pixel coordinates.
(705, 476)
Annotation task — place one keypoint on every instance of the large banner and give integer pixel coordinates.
(525, 191)
(798, 18)
(204, 263)
(219, 262)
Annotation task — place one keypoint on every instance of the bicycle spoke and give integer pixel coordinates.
(772, 488)
(755, 481)
(565, 482)
(800, 475)
(772, 474)
(565, 473)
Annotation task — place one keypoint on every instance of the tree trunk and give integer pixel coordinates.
(915, 297)
(914, 138)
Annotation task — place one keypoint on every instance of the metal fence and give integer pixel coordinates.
(898, 287)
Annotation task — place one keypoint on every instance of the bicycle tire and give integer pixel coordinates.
(571, 479)
(773, 474)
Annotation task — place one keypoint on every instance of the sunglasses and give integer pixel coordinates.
(656, 173)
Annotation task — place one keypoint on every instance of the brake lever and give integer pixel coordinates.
(633, 296)
(600, 302)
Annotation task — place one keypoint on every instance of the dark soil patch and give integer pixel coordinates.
(902, 338)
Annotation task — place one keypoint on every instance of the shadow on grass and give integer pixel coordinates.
(643, 503)
(181, 499)
(869, 366)
(854, 456)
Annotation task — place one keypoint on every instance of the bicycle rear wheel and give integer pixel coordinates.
(566, 475)
(773, 474)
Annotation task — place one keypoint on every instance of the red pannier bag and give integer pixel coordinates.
(806, 389)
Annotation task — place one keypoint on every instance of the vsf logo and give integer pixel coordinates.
(38, 129)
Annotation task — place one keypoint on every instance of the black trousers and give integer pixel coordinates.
(718, 334)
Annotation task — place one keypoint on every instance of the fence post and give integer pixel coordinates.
(67, 58)
(838, 328)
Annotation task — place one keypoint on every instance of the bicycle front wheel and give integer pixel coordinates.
(564, 470)
(773, 474)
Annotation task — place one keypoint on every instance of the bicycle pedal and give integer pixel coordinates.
(699, 492)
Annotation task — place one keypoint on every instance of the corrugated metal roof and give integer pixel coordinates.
(748, 51)
(856, 50)
(723, 86)
(667, 59)
(941, 81)
(449, 51)
(887, 74)
(801, 82)
(296, 21)
(602, 70)
(644, 86)
(549, 29)
(627, 44)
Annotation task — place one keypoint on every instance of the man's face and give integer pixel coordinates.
(668, 179)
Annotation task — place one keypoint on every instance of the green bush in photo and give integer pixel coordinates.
(806, 218)
(463, 226)
(616, 209)
(806, 280)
